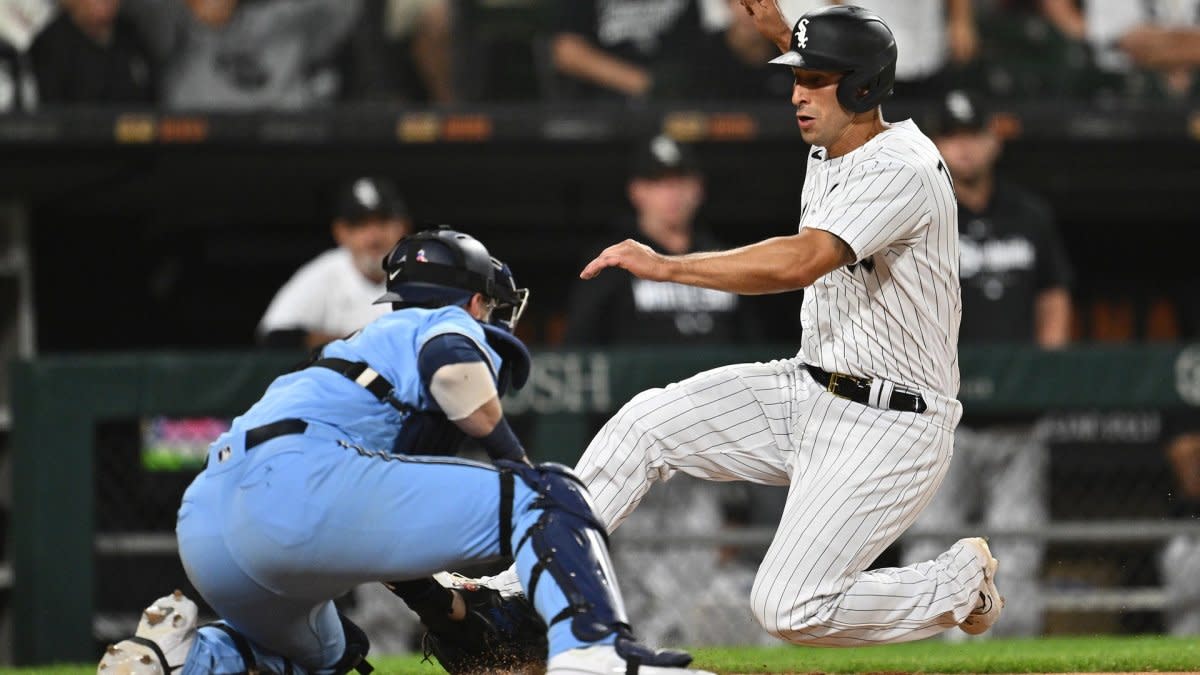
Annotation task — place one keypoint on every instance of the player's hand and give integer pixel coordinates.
(639, 259)
(770, 22)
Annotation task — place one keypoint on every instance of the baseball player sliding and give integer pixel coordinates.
(860, 424)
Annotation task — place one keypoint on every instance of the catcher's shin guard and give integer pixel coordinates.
(570, 545)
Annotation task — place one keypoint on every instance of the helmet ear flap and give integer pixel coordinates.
(860, 91)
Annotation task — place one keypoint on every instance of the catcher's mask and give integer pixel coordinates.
(440, 267)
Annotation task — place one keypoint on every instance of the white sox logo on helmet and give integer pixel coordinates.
(802, 33)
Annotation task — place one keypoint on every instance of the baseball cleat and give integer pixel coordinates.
(990, 604)
(506, 582)
(164, 635)
(625, 657)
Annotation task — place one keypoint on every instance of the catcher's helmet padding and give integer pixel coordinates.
(850, 40)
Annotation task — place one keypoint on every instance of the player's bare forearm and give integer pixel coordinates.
(771, 266)
(770, 22)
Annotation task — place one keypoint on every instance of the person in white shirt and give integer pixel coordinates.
(331, 296)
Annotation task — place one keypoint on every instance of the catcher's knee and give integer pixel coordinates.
(571, 547)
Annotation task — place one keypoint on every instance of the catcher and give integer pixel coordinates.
(319, 487)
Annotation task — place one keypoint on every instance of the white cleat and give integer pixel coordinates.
(170, 624)
(604, 660)
(991, 603)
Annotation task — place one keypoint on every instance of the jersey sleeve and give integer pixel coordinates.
(460, 324)
(882, 203)
(297, 305)
(442, 350)
(1053, 268)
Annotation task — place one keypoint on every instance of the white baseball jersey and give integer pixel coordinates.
(858, 474)
(895, 313)
(327, 295)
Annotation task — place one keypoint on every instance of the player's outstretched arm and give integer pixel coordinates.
(771, 266)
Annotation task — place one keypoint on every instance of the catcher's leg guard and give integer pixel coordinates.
(562, 556)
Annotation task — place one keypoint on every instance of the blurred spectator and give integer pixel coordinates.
(333, 295)
(91, 53)
(423, 26)
(939, 38)
(399, 50)
(245, 55)
(666, 189)
(20, 22)
(626, 48)
(1015, 279)
(708, 605)
(1150, 47)
(734, 62)
(1180, 560)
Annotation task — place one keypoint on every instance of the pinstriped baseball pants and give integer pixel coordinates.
(857, 476)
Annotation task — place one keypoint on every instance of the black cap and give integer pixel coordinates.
(663, 156)
(369, 196)
(958, 110)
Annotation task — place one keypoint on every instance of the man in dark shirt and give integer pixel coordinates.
(1015, 279)
(626, 48)
(91, 54)
(666, 189)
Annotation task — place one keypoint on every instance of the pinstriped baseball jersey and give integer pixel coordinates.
(894, 313)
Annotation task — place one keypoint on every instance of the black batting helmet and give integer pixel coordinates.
(851, 40)
(440, 267)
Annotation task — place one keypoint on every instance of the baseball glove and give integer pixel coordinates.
(499, 634)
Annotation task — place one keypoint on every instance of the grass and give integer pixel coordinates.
(1047, 655)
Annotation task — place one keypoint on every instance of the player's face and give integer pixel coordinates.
(821, 119)
(368, 240)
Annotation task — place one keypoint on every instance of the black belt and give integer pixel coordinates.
(858, 389)
(284, 427)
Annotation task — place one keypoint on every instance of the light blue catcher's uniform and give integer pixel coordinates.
(271, 534)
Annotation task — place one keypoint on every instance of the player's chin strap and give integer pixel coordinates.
(162, 658)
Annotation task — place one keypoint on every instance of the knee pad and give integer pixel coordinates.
(572, 546)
